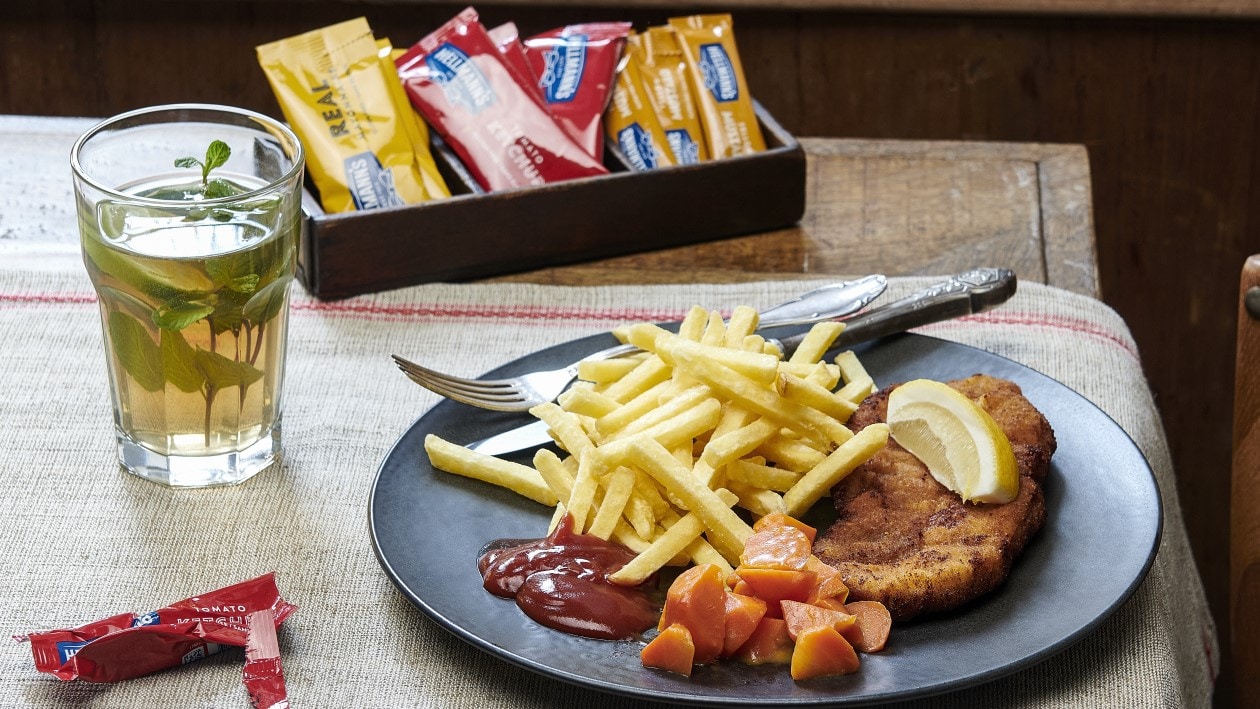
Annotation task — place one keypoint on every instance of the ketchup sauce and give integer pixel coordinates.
(560, 581)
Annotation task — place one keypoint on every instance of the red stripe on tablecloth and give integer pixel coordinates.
(47, 298)
(549, 314)
(527, 313)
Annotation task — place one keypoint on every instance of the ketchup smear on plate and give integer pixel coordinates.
(560, 581)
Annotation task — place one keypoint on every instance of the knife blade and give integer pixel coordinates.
(965, 293)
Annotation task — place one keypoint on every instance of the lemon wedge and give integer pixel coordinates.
(959, 442)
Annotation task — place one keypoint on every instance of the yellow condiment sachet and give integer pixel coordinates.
(631, 121)
(417, 129)
(336, 94)
(664, 68)
(726, 108)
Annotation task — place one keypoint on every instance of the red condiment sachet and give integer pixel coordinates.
(575, 67)
(263, 675)
(130, 645)
(458, 80)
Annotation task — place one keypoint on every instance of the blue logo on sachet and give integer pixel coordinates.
(718, 72)
(686, 151)
(67, 649)
(562, 74)
(636, 144)
(371, 186)
(460, 79)
(150, 618)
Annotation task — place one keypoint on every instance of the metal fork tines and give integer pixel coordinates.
(510, 394)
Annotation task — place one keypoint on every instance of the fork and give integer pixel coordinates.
(523, 392)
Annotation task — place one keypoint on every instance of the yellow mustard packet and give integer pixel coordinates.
(726, 108)
(417, 129)
(664, 68)
(631, 121)
(335, 92)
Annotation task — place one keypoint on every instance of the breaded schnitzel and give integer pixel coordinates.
(905, 540)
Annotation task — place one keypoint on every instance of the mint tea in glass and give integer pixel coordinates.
(189, 217)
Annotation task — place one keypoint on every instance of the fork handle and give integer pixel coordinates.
(966, 293)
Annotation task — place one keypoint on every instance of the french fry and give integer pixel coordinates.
(565, 427)
(645, 336)
(586, 402)
(823, 375)
(840, 463)
(702, 552)
(617, 488)
(728, 531)
(804, 370)
(582, 497)
(714, 331)
(731, 384)
(693, 325)
(790, 454)
(761, 475)
(606, 371)
(857, 390)
(557, 477)
(858, 383)
(638, 510)
(615, 425)
(665, 547)
(817, 341)
(639, 406)
(756, 500)
(650, 372)
(742, 323)
(804, 391)
(757, 366)
(668, 433)
(521, 479)
(737, 443)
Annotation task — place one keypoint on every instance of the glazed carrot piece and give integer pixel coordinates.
(671, 650)
(783, 547)
(697, 600)
(778, 519)
(830, 584)
(769, 644)
(870, 632)
(743, 614)
(774, 585)
(822, 651)
(803, 616)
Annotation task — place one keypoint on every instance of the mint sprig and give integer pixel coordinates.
(217, 154)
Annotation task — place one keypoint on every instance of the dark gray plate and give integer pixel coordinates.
(1099, 540)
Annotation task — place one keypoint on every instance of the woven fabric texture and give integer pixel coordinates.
(85, 540)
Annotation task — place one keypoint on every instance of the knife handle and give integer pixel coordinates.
(966, 293)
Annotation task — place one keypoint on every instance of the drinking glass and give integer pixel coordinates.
(189, 217)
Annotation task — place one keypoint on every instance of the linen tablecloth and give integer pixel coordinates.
(83, 540)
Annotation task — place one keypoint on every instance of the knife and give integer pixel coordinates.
(966, 293)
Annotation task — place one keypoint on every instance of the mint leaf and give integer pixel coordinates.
(221, 372)
(268, 302)
(177, 361)
(138, 354)
(245, 284)
(181, 315)
(216, 155)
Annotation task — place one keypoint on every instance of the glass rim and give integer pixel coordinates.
(267, 121)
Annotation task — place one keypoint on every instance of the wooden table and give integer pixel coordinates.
(901, 208)
(896, 207)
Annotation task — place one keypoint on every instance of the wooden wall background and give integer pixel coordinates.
(1165, 101)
